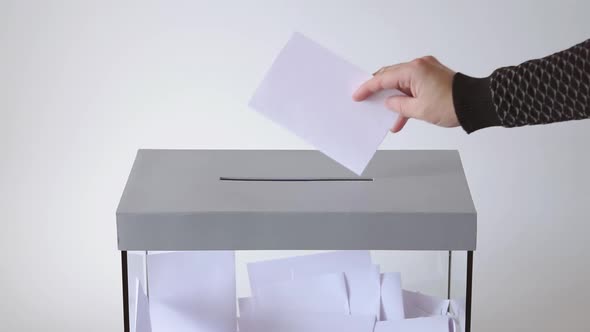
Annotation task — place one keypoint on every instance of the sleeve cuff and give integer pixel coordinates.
(472, 99)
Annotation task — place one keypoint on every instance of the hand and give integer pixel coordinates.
(428, 85)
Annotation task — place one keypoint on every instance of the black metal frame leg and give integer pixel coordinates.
(468, 296)
(126, 326)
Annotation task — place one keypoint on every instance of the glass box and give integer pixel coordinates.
(410, 213)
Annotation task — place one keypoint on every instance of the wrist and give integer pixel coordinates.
(472, 100)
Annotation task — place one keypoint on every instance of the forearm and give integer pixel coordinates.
(551, 89)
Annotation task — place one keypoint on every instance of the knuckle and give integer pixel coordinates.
(419, 62)
(430, 58)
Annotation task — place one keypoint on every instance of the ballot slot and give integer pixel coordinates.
(293, 179)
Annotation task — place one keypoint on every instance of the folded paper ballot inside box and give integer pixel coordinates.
(332, 291)
(205, 233)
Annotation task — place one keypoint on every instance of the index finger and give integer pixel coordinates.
(390, 78)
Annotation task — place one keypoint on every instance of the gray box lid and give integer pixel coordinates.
(294, 199)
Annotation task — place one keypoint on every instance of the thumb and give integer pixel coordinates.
(404, 105)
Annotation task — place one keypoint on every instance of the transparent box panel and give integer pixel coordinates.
(459, 288)
(439, 274)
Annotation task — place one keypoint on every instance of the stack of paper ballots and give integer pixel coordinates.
(336, 291)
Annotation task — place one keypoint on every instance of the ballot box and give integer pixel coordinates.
(289, 240)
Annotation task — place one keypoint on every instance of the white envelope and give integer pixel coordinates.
(141, 321)
(308, 90)
(392, 304)
(318, 294)
(306, 322)
(192, 291)
(427, 324)
(421, 305)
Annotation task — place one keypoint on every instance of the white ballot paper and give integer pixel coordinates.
(364, 291)
(265, 272)
(246, 305)
(142, 322)
(192, 291)
(308, 90)
(422, 305)
(361, 275)
(428, 324)
(324, 293)
(306, 322)
(392, 303)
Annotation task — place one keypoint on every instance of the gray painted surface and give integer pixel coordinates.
(175, 200)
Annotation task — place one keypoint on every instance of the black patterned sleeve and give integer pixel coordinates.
(551, 89)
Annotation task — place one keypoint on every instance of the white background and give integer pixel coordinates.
(83, 85)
